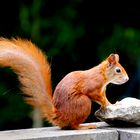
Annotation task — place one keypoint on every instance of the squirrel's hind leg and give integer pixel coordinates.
(84, 127)
(79, 127)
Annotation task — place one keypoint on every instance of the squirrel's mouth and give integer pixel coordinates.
(120, 81)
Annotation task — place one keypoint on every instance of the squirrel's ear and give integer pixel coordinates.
(113, 58)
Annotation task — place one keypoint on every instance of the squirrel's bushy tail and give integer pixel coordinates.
(33, 71)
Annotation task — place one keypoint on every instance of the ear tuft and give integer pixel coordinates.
(113, 58)
(117, 57)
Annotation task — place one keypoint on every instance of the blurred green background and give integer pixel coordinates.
(75, 35)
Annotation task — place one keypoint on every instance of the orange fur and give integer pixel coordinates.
(71, 103)
(32, 69)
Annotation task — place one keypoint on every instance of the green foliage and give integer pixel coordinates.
(124, 40)
(58, 30)
(12, 105)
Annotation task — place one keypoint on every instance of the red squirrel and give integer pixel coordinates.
(70, 104)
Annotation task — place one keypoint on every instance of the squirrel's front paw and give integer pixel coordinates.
(104, 107)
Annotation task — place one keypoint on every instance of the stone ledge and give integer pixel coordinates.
(129, 133)
(103, 132)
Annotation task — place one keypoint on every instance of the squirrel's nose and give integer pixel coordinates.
(126, 78)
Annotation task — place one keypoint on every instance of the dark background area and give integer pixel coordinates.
(75, 35)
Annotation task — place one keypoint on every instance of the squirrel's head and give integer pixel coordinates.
(115, 73)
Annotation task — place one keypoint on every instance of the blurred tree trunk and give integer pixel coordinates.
(37, 119)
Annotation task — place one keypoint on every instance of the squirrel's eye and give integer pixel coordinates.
(118, 70)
